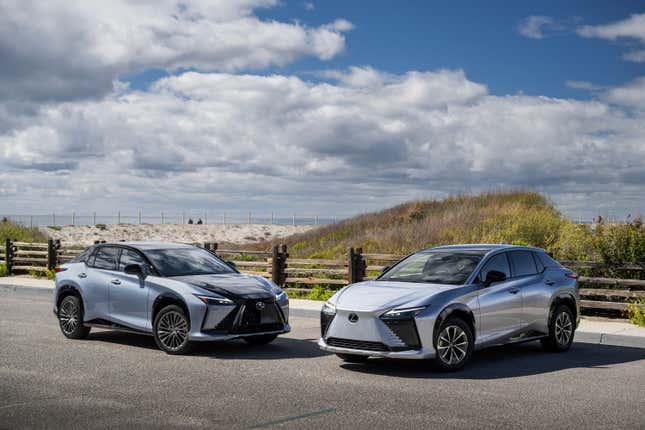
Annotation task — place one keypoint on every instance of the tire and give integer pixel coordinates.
(263, 339)
(352, 358)
(454, 345)
(561, 330)
(70, 318)
(171, 328)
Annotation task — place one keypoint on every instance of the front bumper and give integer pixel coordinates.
(412, 354)
(212, 336)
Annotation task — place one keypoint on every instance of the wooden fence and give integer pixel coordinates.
(598, 294)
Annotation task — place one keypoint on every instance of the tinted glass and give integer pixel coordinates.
(546, 260)
(129, 257)
(538, 263)
(523, 263)
(186, 261)
(439, 267)
(105, 258)
(498, 262)
(83, 256)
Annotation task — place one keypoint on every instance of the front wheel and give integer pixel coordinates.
(70, 318)
(261, 339)
(171, 328)
(561, 330)
(454, 345)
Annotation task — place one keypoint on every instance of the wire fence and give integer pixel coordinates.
(57, 219)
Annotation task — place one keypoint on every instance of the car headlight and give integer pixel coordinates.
(328, 309)
(404, 313)
(215, 300)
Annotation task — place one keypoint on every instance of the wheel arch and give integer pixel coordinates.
(563, 299)
(459, 310)
(166, 299)
(68, 290)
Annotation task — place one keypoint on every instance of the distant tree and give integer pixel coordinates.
(190, 220)
(199, 221)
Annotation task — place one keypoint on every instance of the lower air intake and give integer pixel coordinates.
(363, 345)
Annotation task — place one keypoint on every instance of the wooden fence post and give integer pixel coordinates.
(51, 254)
(279, 264)
(355, 265)
(8, 256)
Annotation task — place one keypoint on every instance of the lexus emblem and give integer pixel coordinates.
(353, 318)
(259, 305)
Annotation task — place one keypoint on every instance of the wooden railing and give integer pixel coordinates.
(603, 294)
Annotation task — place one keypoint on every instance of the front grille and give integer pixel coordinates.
(405, 330)
(325, 321)
(254, 320)
(364, 345)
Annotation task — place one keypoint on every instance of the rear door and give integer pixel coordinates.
(527, 278)
(500, 304)
(100, 268)
(129, 294)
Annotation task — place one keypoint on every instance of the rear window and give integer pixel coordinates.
(546, 260)
(105, 258)
(522, 263)
(82, 257)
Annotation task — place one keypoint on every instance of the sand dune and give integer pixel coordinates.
(232, 233)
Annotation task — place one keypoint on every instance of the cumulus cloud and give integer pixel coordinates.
(62, 50)
(534, 26)
(630, 95)
(366, 139)
(583, 85)
(629, 28)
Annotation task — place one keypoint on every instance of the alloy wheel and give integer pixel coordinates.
(563, 328)
(68, 316)
(172, 330)
(452, 345)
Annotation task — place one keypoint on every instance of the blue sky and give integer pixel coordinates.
(481, 38)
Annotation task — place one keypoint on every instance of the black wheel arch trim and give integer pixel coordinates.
(169, 296)
(454, 308)
(560, 298)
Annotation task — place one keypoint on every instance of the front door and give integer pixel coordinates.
(500, 304)
(129, 294)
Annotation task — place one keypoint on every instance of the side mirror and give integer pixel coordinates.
(494, 276)
(232, 264)
(135, 269)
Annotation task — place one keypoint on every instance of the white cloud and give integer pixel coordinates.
(309, 5)
(71, 50)
(583, 85)
(534, 26)
(630, 28)
(630, 95)
(246, 141)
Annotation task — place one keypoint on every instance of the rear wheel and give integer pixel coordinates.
(171, 328)
(70, 318)
(353, 358)
(561, 330)
(454, 344)
(261, 340)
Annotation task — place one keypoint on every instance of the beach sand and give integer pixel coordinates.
(232, 233)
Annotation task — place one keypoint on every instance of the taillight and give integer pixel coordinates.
(571, 275)
(59, 269)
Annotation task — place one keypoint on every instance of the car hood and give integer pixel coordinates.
(373, 296)
(234, 286)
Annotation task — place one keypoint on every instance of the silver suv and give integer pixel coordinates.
(443, 303)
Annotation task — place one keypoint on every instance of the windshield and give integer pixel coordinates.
(439, 267)
(186, 261)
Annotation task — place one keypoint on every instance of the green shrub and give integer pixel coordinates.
(55, 227)
(11, 230)
(619, 243)
(636, 311)
(3, 269)
(101, 226)
(319, 292)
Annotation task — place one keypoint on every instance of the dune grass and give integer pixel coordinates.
(13, 231)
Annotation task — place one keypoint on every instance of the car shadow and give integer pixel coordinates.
(507, 362)
(280, 349)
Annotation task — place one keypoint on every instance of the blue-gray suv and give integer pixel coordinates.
(178, 293)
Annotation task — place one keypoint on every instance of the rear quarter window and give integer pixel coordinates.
(546, 260)
(83, 256)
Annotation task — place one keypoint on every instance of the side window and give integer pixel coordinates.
(538, 263)
(105, 258)
(129, 257)
(498, 262)
(83, 256)
(523, 263)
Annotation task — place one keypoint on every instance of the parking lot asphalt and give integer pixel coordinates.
(115, 380)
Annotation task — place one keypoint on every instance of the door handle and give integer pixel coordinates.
(82, 275)
(514, 290)
(116, 282)
(549, 282)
